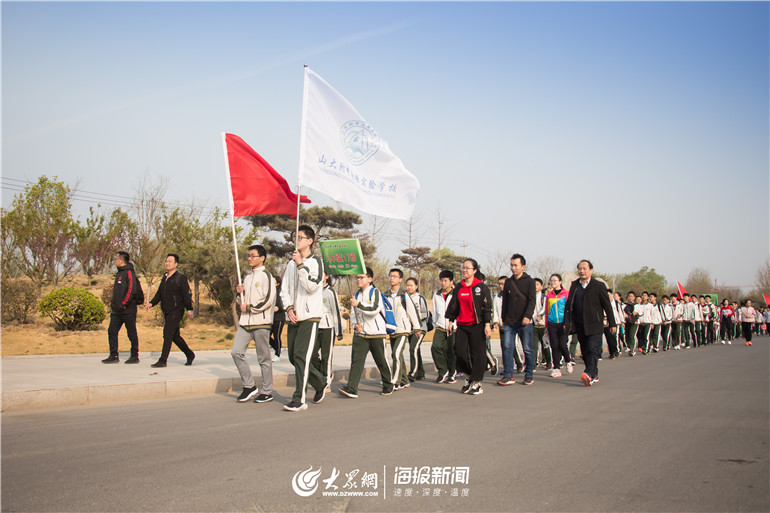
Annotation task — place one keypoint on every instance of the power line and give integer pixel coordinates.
(103, 198)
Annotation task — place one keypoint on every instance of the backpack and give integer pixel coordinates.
(387, 313)
(429, 319)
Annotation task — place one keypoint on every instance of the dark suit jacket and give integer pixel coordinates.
(596, 304)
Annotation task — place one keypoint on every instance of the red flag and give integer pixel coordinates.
(680, 292)
(256, 187)
(767, 299)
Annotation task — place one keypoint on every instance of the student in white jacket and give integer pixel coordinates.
(656, 320)
(667, 315)
(443, 347)
(645, 323)
(329, 328)
(366, 314)
(406, 320)
(302, 296)
(256, 320)
(416, 368)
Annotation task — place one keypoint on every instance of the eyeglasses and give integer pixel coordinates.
(361, 277)
(303, 237)
(466, 269)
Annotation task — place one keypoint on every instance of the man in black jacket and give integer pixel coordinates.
(126, 294)
(587, 304)
(175, 297)
(516, 314)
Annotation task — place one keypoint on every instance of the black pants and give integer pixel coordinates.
(116, 321)
(559, 345)
(612, 342)
(590, 346)
(746, 330)
(471, 351)
(275, 336)
(171, 334)
(727, 328)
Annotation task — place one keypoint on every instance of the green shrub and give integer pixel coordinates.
(73, 309)
(19, 300)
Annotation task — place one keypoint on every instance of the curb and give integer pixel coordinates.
(92, 395)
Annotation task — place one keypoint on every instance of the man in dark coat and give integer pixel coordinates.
(174, 296)
(126, 294)
(587, 305)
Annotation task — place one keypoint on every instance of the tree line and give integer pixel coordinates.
(43, 242)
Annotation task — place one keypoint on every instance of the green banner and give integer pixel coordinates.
(342, 257)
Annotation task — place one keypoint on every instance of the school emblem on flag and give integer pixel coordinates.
(360, 141)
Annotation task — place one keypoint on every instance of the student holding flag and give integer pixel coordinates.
(256, 307)
(302, 295)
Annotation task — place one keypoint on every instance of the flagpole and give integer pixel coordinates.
(296, 244)
(232, 209)
(299, 174)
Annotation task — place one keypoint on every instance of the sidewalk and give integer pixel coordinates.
(47, 381)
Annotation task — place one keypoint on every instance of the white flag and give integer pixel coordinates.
(344, 157)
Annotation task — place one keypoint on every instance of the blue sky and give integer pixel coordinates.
(628, 133)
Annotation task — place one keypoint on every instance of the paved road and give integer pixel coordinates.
(681, 431)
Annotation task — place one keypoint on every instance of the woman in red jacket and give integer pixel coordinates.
(471, 308)
(726, 316)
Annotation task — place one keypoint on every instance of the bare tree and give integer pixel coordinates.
(146, 242)
(763, 277)
(499, 265)
(412, 232)
(376, 228)
(544, 267)
(443, 227)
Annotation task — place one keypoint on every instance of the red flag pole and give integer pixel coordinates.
(232, 210)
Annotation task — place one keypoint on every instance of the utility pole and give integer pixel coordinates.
(464, 245)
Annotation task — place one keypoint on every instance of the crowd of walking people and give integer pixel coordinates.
(539, 324)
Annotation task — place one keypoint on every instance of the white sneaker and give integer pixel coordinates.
(476, 389)
(556, 373)
(729, 342)
(723, 342)
(569, 367)
(276, 358)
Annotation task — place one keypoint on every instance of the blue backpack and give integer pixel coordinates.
(387, 313)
